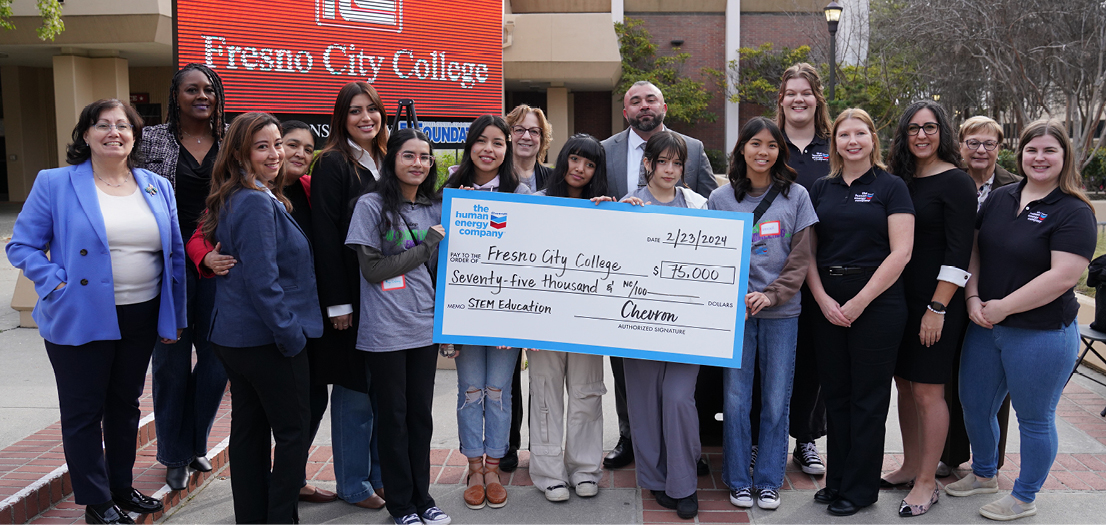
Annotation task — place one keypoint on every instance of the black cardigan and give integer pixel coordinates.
(336, 184)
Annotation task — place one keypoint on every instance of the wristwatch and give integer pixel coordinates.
(936, 307)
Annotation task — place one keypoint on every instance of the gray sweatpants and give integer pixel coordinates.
(660, 398)
(581, 458)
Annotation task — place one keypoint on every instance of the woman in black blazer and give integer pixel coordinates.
(347, 168)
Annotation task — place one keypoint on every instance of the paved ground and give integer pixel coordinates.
(1074, 492)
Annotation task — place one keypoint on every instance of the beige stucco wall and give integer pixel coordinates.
(579, 50)
(155, 81)
(29, 123)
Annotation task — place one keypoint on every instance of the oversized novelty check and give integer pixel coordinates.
(648, 282)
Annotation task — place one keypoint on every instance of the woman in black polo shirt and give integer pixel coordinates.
(1024, 339)
(862, 242)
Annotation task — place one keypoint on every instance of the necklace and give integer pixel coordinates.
(199, 140)
(120, 185)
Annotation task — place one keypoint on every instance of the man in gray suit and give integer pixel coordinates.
(644, 108)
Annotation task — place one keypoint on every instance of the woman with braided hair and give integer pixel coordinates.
(183, 150)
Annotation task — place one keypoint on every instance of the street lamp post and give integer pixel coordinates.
(833, 16)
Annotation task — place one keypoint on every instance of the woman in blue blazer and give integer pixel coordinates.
(265, 310)
(100, 241)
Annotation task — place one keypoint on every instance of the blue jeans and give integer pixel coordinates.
(770, 344)
(1032, 366)
(484, 399)
(353, 436)
(186, 398)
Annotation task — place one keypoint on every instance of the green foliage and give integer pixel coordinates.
(883, 89)
(760, 72)
(687, 99)
(443, 159)
(51, 27)
(6, 14)
(883, 86)
(1006, 159)
(1095, 171)
(719, 160)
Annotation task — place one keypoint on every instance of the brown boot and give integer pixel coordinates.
(496, 494)
(474, 495)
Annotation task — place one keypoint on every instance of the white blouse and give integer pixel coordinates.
(134, 242)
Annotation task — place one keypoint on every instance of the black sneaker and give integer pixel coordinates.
(702, 467)
(806, 456)
(664, 500)
(687, 508)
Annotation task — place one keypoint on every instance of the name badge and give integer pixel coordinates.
(770, 229)
(395, 283)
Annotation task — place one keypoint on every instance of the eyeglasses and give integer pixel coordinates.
(520, 131)
(929, 128)
(411, 159)
(104, 127)
(973, 144)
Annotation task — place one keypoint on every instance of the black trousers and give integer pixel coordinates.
(319, 395)
(856, 365)
(269, 395)
(808, 407)
(517, 420)
(99, 384)
(620, 397)
(403, 382)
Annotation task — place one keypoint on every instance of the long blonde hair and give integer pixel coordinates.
(837, 164)
(1070, 179)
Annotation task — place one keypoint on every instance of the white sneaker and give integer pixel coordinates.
(557, 493)
(1008, 508)
(970, 485)
(587, 489)
(768, 499)
(742, 497)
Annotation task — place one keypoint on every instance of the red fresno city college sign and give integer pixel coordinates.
(292, 56)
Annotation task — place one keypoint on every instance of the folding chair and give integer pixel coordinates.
(1089, 336)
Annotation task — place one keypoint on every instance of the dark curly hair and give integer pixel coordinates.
(217, 120)
(79, 151)
(901, 161)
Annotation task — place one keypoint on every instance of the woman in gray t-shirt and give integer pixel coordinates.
(777, 268)
(395, 231)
